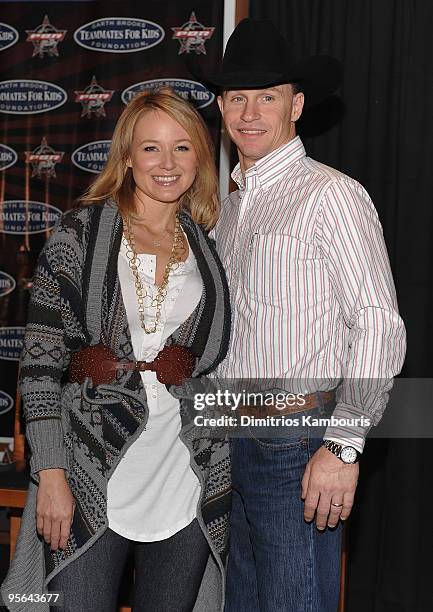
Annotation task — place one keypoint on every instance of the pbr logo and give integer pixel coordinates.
(192, 36)
(6, 402)
(44, 160)
(7, 283)
(28, 97)
(119, 35)
(8, 36)
(45, 39)
(8, 157)
(92, 156)
(189, 90)
(11, 342)
(93, 99)
(27, 217)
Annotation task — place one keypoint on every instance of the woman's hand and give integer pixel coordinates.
(55, 506)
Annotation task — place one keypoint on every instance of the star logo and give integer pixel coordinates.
(45, 39)
(192, 36)
(93, 99)
(44, 159)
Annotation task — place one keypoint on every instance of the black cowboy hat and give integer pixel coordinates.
(258, 56)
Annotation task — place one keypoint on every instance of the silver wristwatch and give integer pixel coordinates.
(347, 454)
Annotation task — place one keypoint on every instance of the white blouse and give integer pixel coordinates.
(153, 492)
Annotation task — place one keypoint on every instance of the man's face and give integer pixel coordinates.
(260, 120)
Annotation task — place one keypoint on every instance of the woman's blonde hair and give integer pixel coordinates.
(116, 180)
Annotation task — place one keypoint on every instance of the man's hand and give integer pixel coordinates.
(327, 480)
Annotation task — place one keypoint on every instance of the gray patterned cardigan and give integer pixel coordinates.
(76, 301)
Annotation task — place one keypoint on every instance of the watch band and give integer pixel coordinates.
(347, 454)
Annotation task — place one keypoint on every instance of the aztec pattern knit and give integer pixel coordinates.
(76, 301)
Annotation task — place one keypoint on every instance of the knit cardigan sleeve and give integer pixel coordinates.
(44, 360)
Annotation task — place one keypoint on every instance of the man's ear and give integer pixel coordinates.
(297, 106)
(220, 104)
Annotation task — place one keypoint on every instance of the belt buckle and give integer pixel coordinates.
(142, 366)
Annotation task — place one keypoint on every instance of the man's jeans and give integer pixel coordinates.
(277, 561)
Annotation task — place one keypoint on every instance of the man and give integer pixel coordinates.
(313, 301)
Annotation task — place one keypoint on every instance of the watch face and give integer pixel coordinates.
(348, 454)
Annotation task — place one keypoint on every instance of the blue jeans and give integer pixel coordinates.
(277, 561)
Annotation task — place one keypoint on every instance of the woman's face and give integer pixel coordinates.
(163, 160)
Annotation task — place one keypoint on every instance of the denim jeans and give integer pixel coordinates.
(167, 574)
(277, 561)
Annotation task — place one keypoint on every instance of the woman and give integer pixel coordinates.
(118, 466)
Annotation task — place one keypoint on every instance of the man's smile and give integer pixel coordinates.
(251, 132)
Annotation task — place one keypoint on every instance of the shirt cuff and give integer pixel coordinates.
(349, 426)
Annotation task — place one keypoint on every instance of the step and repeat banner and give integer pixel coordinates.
(66, 71)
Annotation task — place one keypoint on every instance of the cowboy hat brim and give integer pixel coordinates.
(318, 77)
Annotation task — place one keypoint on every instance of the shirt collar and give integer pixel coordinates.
(270, 168)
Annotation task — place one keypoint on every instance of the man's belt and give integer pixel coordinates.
(308, 402)
(173, 365)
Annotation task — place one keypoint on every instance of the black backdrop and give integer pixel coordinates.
(380, 130)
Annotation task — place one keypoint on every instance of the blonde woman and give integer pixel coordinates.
(129, 300)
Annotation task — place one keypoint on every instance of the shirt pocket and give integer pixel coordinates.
(282, 269)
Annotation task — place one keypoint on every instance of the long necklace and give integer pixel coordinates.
(157, 300)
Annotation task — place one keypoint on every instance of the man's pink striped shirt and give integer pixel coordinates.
(312, 293)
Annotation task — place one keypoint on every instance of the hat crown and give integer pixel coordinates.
(256, 44)
(258, 56)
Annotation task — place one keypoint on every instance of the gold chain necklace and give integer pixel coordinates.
(157, 300)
